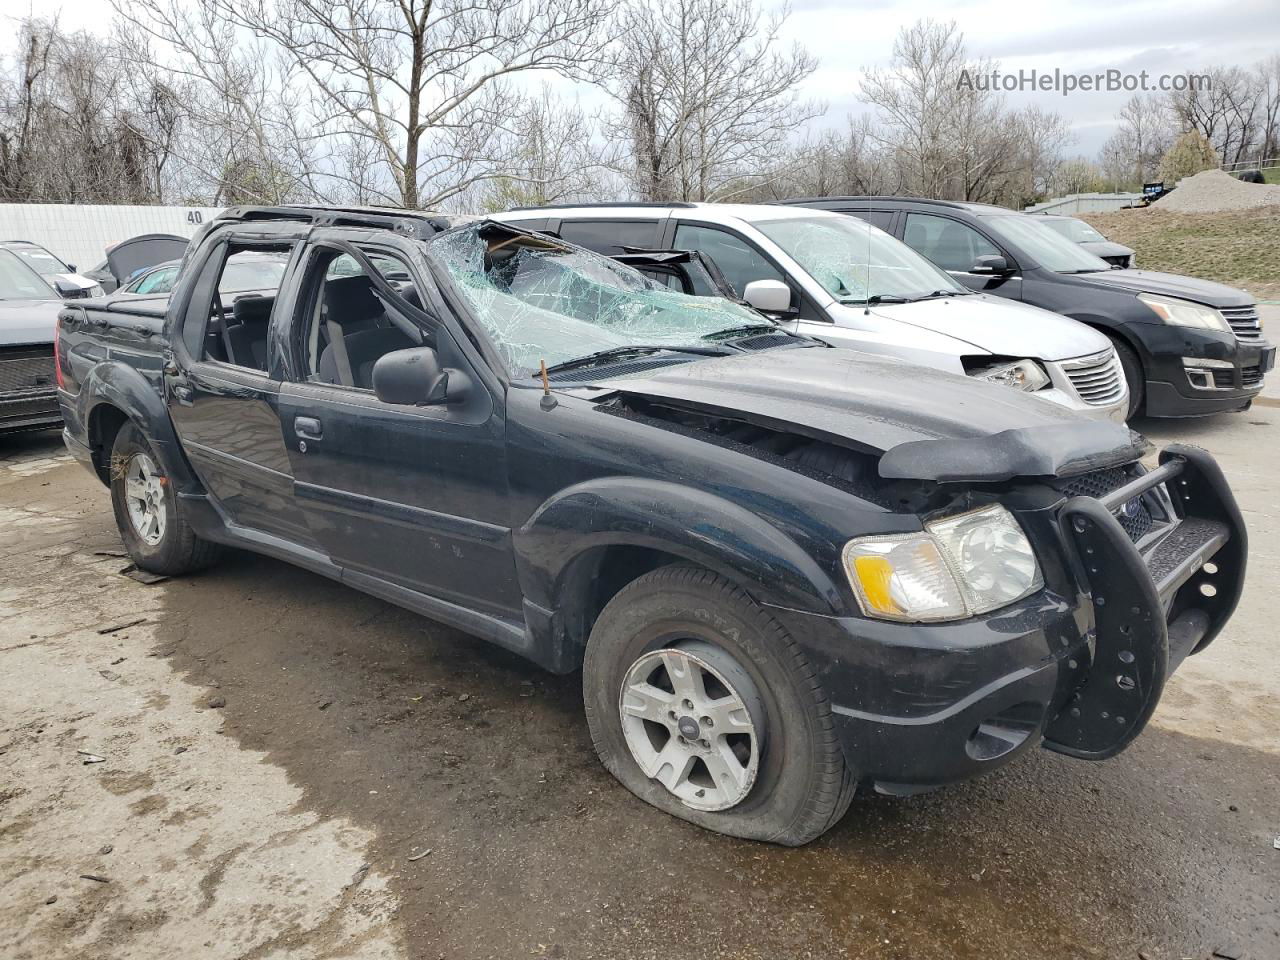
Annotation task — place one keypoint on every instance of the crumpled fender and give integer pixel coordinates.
(122, 386)
(693, 524)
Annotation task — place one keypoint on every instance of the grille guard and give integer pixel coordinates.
(1149, 610)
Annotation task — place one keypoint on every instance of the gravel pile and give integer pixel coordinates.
(1213, 191)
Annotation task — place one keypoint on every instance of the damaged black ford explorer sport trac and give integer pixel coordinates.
(785, 570)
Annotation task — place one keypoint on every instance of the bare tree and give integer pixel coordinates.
(1268, 88)
(1226, 111)
(706, 94)
(915, 98)
(419, 80)
(75, 126)
(951, 135)
(554, 157)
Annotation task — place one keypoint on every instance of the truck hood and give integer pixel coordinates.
(926, 424)
(1170, 285)
(998, 326)
(27, 321)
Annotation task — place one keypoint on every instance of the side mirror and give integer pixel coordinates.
(71, 268)
(990, 263)
(66, 288)
(414, 377)
(768, 296)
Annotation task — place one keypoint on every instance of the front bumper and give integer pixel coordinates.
(1079, 666)
(1231, 377)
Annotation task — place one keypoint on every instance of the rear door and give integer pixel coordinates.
(222, 394)
(410, 495)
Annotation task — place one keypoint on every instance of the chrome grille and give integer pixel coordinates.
(1098, 379)
(26, 369)
(1244, 322)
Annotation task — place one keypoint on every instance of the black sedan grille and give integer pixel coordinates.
(26, 369)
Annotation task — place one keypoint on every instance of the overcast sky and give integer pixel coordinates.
(1087, 36)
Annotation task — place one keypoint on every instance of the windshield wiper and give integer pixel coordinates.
(636, 349)
(877, 298)
(735, 332)
(944, 293)
(1088, 270)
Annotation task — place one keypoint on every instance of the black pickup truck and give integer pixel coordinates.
(785, 570)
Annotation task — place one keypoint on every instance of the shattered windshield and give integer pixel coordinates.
(538, 300)
(856, 262)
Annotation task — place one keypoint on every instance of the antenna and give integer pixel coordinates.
(548, 401)
(866, 311)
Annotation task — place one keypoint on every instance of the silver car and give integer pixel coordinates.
(851, 284)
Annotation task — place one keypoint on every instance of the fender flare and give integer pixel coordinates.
(695, 525)
(123, 387)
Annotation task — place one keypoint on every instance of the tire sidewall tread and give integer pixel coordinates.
(803, 786)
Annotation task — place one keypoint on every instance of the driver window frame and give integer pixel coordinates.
(1000, 251)
(313, 276)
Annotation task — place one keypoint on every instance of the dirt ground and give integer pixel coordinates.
(280, 752)
(1240, 248)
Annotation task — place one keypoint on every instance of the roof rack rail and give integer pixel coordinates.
(869, 197)
(682, 204)
(421, 222)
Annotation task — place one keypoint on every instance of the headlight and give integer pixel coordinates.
(1184, 313)
(1021, 375)
(960, 566)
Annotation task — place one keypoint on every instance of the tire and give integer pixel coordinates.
(801, 785)
(1133, 377)
(169, 547)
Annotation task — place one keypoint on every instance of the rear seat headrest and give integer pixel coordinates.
(252, 309)
(351, 299)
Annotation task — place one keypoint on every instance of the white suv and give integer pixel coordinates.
(851, 284)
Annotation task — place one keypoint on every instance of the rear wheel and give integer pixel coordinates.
(1133, 377)
(151, 519)
(701, 704)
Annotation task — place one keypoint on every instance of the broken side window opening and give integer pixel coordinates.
(538, 300)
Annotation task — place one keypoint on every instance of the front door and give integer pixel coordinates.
(414, 495)
(955, 247)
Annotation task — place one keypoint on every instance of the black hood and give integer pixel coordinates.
(929, 425)
(1171, 285)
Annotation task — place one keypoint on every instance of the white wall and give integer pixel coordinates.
(80, 233)
(1086, 203)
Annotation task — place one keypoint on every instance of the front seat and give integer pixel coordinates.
(363, 350)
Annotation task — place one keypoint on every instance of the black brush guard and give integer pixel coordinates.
(1152, 609)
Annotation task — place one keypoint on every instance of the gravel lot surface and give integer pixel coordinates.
(280, 752)
(1213, 191)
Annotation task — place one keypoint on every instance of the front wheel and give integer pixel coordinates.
(702, 705)
(1133, 378)
(152, 522)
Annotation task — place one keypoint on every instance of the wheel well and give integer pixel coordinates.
(596, 577)
(105, 422)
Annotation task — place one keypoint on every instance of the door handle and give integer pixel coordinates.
(308, 428)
